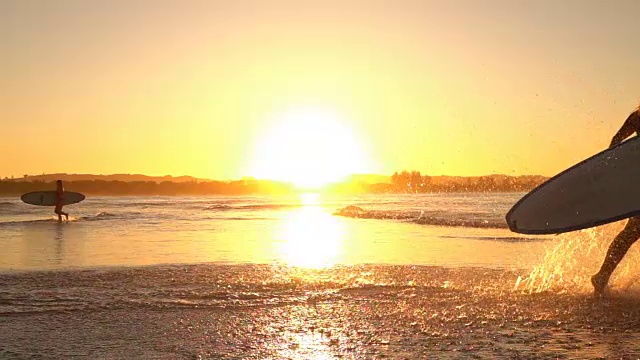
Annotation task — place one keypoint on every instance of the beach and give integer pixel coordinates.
(288, 278)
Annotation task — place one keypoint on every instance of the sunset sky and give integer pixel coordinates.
(225, 89)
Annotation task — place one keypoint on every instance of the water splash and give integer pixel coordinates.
(571, 260)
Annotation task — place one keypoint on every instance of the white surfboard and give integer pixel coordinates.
(601, 189)
(48, 198)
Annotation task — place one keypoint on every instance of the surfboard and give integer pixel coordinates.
(598, 190)
(48, 198)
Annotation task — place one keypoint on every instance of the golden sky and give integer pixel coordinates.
(225, 89)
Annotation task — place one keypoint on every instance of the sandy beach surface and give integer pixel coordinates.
(261, 312)
(247, 278)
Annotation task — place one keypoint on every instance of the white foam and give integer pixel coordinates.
(571, 260)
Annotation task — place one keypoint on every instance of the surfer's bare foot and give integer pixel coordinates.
(599, 284)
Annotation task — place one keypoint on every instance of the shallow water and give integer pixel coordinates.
(277, 278)
(299, 231)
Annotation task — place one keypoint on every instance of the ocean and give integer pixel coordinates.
(307, 276)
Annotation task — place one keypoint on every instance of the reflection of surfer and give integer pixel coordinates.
(60, 201)
(631, 231)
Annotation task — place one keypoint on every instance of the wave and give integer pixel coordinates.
(27, 222)
(234, 218)
(252, 207)
(12, 208)
(200, 205)
(472, 223)
(99, 216)
(14, 212)
(419, 217)
(358, 212)
(54, 220)
(219, 207)
(160, 204)
(508, 239)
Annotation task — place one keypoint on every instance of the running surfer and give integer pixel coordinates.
(60, 201)
(631, 232)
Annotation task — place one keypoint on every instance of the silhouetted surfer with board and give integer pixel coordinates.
(57, 198)
(631, 232)
(60, 201)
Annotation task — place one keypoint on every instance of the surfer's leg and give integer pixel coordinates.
(60, 213)
(618, 248)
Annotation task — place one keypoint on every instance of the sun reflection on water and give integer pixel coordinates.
(311, 237)
(310, 199)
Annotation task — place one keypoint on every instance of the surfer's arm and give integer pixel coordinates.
(630, 126)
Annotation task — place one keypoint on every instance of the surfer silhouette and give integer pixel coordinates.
(631, 232)
(60, 201)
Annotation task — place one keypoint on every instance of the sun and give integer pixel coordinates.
(310, 148)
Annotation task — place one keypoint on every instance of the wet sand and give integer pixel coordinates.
(262, 312)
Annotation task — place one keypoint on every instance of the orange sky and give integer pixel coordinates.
(206, 88)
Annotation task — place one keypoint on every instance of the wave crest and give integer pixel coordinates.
(419, 217)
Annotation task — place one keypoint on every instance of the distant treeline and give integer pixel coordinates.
(102, 187)
(415, 182)
(401, 182)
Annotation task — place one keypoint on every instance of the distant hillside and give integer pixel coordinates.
(399, 182)
(112, 177)
(148, 188)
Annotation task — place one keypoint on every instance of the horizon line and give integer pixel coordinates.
(248, 177)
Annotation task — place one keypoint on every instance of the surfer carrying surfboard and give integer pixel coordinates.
(631, 232)
(60, 201)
